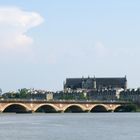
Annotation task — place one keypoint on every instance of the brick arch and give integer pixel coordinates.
(116, 107)
(77, 105)
(102, 105)
(51, 105)
(20, 104)
(125, 108)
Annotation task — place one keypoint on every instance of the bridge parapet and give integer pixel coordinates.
(60, 106)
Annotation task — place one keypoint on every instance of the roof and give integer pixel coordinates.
(118, 82)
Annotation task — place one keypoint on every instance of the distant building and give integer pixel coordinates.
(29, 94)
(39, 95)
(95, 83)
(130, 95)
(102, 95)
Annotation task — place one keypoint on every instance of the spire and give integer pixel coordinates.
(94, 83)
(94, 78)
(125, 86)
(125, 78)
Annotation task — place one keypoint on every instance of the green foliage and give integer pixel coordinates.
(131, 108)
(82, 97)
(10, 95)
(23, 93)
(73, 96)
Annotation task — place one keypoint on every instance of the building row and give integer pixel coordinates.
(90, 88)
(29, 94)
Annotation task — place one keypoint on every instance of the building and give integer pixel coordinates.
(40, 94)
(102, 95)
(29, 94)
(95, 83)
(130, 95)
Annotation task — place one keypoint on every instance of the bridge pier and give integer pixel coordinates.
(60, 111)
(86, 111)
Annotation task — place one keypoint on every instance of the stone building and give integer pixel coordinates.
(40, 95)
(29, 94)
(130, 95)
(95, 83)
(96, 88)
(102, 95)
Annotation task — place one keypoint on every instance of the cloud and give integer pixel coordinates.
(14, 25)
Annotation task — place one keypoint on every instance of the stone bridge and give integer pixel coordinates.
(26, 106)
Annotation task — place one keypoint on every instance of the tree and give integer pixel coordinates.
(23, 93)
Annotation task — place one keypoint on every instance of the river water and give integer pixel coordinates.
(70, 126)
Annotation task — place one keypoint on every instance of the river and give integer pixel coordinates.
(70, 126)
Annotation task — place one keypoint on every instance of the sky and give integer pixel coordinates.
(43, 42)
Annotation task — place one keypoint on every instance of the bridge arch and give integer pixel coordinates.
(99, 108)
(15, 108)
(125, 108)
(74, 108)
(46, 108)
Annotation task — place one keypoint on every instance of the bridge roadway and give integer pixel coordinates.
(24, 106)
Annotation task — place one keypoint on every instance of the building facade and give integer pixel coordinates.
(95, 83)
(130, 95)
